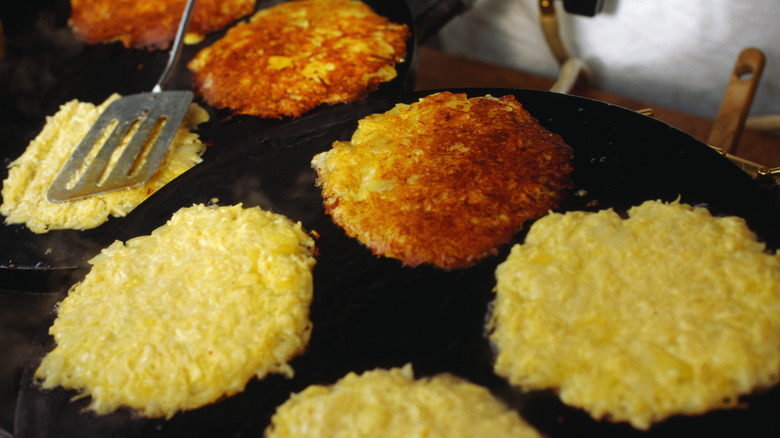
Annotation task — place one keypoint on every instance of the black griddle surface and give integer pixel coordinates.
(373, 312)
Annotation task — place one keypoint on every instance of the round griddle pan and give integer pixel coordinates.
(373, 312)
(46, 66)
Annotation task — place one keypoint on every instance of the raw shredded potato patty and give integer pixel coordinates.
(187, 315)
(30, 175)
(391, 403)
(297, 55)
(151, 24)
(445, 180)
(671, 311)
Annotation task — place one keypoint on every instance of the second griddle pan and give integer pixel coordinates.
(373, 312)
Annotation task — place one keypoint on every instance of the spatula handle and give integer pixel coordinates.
(175, 54)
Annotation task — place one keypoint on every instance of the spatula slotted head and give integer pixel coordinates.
(124, 147)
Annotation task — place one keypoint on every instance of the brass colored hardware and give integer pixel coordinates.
(768, 171)
(549, 20)
(768, 176)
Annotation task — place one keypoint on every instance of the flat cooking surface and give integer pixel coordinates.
(372, 312)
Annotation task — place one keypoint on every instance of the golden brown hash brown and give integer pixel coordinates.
(151, 24)
(445, 180)
(292, 57)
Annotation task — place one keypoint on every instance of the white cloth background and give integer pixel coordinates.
(672, 53)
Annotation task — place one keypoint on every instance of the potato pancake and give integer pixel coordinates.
(187, 315)
(151, 24)
(445, 180)
(31, 175)
(391, 403)
(295, 56)
(670, 311)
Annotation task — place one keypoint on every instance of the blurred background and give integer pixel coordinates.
(677, 54)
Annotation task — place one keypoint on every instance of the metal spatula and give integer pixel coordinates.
(146, 123)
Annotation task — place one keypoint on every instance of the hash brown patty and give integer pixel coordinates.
(671, 311)
(445, 180)
(151, 24)
(392, 403)
(295, 56)
(187, 315)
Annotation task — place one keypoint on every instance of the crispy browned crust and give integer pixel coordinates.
(444, 181)
(297, 55)
(150, 24)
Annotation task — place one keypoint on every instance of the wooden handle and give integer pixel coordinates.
(736, 103)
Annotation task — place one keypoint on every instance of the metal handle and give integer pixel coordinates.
(548, 18)
(173, 58)
(571, 71)
(588, 8)
(431, 16)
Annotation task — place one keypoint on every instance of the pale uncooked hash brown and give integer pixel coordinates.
(392, 403)
(186, 316)
(30, 175)
(151, 24)
(671, 311)
(295, 56)
(445, 180)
